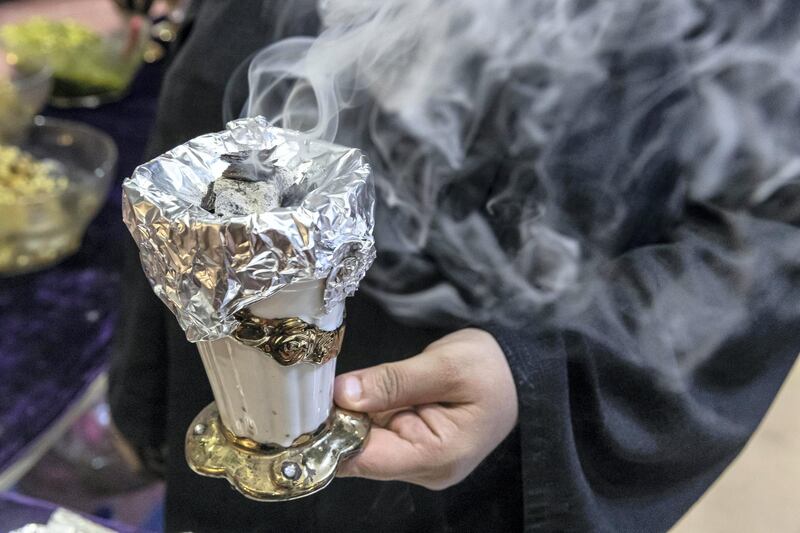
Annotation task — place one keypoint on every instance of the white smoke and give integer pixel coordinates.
(511, 139)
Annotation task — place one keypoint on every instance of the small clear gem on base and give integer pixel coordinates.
(199, 429)
(290, 470)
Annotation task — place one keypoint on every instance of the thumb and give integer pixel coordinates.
(425, 378)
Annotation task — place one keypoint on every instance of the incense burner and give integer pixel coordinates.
(262, 295)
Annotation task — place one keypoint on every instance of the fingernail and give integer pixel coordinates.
(352, 388)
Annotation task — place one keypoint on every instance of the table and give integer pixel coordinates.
(56, 326)
(17, 511)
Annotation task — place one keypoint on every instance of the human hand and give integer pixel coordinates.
(437, 415)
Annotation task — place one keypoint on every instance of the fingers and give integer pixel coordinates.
(437, 415)
(426, 378)
(385, 456)
(383, 418)
(407, 450)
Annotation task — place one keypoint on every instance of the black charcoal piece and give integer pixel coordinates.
(293, 195)
(253, 165)
(209, 199)
(252, 184)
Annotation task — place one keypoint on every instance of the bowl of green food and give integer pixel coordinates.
(89, 68)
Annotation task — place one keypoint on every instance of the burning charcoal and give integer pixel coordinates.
(262, 156)
(252, 184)
(234, 197)
(209, 199)
(241, 172)
(236, 157)
(293, 195)
(250, 166)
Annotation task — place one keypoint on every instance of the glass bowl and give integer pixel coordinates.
(23, 94)
(90, 66)
(38, 232)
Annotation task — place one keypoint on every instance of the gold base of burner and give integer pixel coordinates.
(277, 475)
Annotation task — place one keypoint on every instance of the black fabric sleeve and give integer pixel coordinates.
(632, 407)
(137, 378)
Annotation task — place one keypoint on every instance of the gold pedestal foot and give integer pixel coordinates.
(276, 474)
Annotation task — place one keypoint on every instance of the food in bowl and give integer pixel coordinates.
(50, 189)
(84, 62)
(22, 176)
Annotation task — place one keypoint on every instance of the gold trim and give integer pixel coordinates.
(288, 340)
(252, 445)
(279, 475)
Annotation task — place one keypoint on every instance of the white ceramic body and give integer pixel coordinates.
(257, 397)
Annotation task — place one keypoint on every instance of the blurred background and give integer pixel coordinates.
(79, 81)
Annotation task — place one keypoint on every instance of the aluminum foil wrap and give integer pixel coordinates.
(205, 267)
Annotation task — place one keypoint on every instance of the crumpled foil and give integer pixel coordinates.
(206, 268)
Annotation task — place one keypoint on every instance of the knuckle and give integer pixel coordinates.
(464, 373)
(451, 370)
(389, 382)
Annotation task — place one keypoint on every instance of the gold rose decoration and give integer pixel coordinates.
(288, 340)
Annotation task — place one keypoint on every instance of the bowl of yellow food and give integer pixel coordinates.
(89, 68)
(51, 186)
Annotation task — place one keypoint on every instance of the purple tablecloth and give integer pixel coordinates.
(56, 325)
(17, 511)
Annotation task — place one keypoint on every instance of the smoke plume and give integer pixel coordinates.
(517, 146)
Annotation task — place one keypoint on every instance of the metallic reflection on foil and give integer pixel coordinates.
(205, 268)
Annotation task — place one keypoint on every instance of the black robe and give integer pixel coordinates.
(605, 440)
